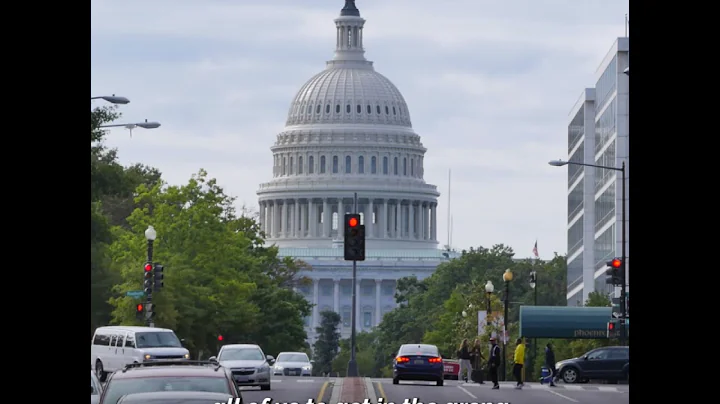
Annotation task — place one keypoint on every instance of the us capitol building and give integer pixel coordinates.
(349, 131)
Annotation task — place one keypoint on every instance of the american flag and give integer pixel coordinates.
(535, 251)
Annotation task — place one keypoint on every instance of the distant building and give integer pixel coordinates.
(348, 130)
(597, 134)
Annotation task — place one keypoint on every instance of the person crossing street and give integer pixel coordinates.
(519, 360)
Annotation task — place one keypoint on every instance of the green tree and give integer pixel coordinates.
(364, 355)
(328, 342)
(218, 277)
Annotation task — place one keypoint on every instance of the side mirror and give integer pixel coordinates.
(182, 339)
(585, 357)
(92, 390)
(212, 359)
(270, 358)
(312, 361)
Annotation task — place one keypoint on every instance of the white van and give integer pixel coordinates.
(114, 347)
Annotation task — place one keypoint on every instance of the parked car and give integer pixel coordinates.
(610, 363)
(95, 388)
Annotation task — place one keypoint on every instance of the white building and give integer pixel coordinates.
(598, 134)
(349, 131)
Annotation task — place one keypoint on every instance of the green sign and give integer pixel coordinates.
(135, 293)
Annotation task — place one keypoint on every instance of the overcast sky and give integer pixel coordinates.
(489, 84)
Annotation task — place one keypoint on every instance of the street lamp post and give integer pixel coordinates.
(507, 277)
(623, 286)
(489, 289)
(533, 286)
(150, 236)
(113, 99)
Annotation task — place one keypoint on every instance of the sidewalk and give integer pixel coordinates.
(353, 390)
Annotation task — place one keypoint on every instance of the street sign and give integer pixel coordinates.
(135, 293)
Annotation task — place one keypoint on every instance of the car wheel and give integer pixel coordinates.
(570, 375)
(100, 372)
(396, 380)
(265, 387)
(440, 382)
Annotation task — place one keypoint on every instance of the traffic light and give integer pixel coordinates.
(613, 274)
(354, 238)
(220, 337)
(139, 311)
(147, 278)
(613, 328)
(158, 277)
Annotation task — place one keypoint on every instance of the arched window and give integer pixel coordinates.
(290, 168)
(385, 165)
(348, 109)
(300, 165)
(317, 110)
(284, 161)
(348, 164)
(395, 166)
(377, 108)
(359, 109)
(327, 109)
(322, 164)
(311, 165)
(387, 110)
(412, 167)
(369, 109)
(337, 109)
(335, 165)
(404, 165)
(309, 110)
(361, 165)
(373, 165)
(394, 111)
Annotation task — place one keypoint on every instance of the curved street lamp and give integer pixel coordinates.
(113, 99)
(489, 289)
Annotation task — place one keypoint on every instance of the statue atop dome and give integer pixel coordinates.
(350, 9)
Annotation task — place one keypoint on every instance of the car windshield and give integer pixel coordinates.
(157, 340)
(419, 350)
(93, 384)
(120, 387)
(293, 357)
(241, 354)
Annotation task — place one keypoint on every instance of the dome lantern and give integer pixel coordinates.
(349, 37)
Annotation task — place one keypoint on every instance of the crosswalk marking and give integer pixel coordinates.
(612, 389)
(573, 388)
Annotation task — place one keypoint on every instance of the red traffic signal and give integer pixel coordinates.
(139, 307)
(353, 222)
(611, 326)
(616, 263)
(148, 266)
(220, 337)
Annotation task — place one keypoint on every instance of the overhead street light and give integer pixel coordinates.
(144, 125)
(623, 286)
(112, 99)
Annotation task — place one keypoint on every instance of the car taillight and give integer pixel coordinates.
(402, 359)
(435, 360)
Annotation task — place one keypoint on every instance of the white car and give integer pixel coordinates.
(292, 364)
(96, 388)
(247, 363)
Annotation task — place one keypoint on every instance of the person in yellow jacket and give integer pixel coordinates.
(519, 362)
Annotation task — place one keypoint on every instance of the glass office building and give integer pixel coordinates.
(598, 134)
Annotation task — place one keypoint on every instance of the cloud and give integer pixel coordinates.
(489, 85)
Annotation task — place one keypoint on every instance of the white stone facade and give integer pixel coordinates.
(349, 131)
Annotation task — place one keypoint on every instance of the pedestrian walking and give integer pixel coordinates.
(494, 363)
(550, 363)
(477, 362)
(464, 359)
(519, 360)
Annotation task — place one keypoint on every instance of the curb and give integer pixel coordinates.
(337, 388)
(370, 391)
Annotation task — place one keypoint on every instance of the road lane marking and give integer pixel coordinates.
(382, 391)
(305, 381)
(370, 391)
(612, 389)
(575, 388)
(562, 395)
(322, 393)
(467, 392)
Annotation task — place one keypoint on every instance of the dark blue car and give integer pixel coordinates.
(418, 362)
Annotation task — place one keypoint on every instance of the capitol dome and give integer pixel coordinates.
(348, 132)
(342, 94)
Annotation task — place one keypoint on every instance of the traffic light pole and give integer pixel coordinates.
(352, 369)
(148, 301)
(623, 258)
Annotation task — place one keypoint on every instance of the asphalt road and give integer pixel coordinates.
(532, 393)
(291, 390)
